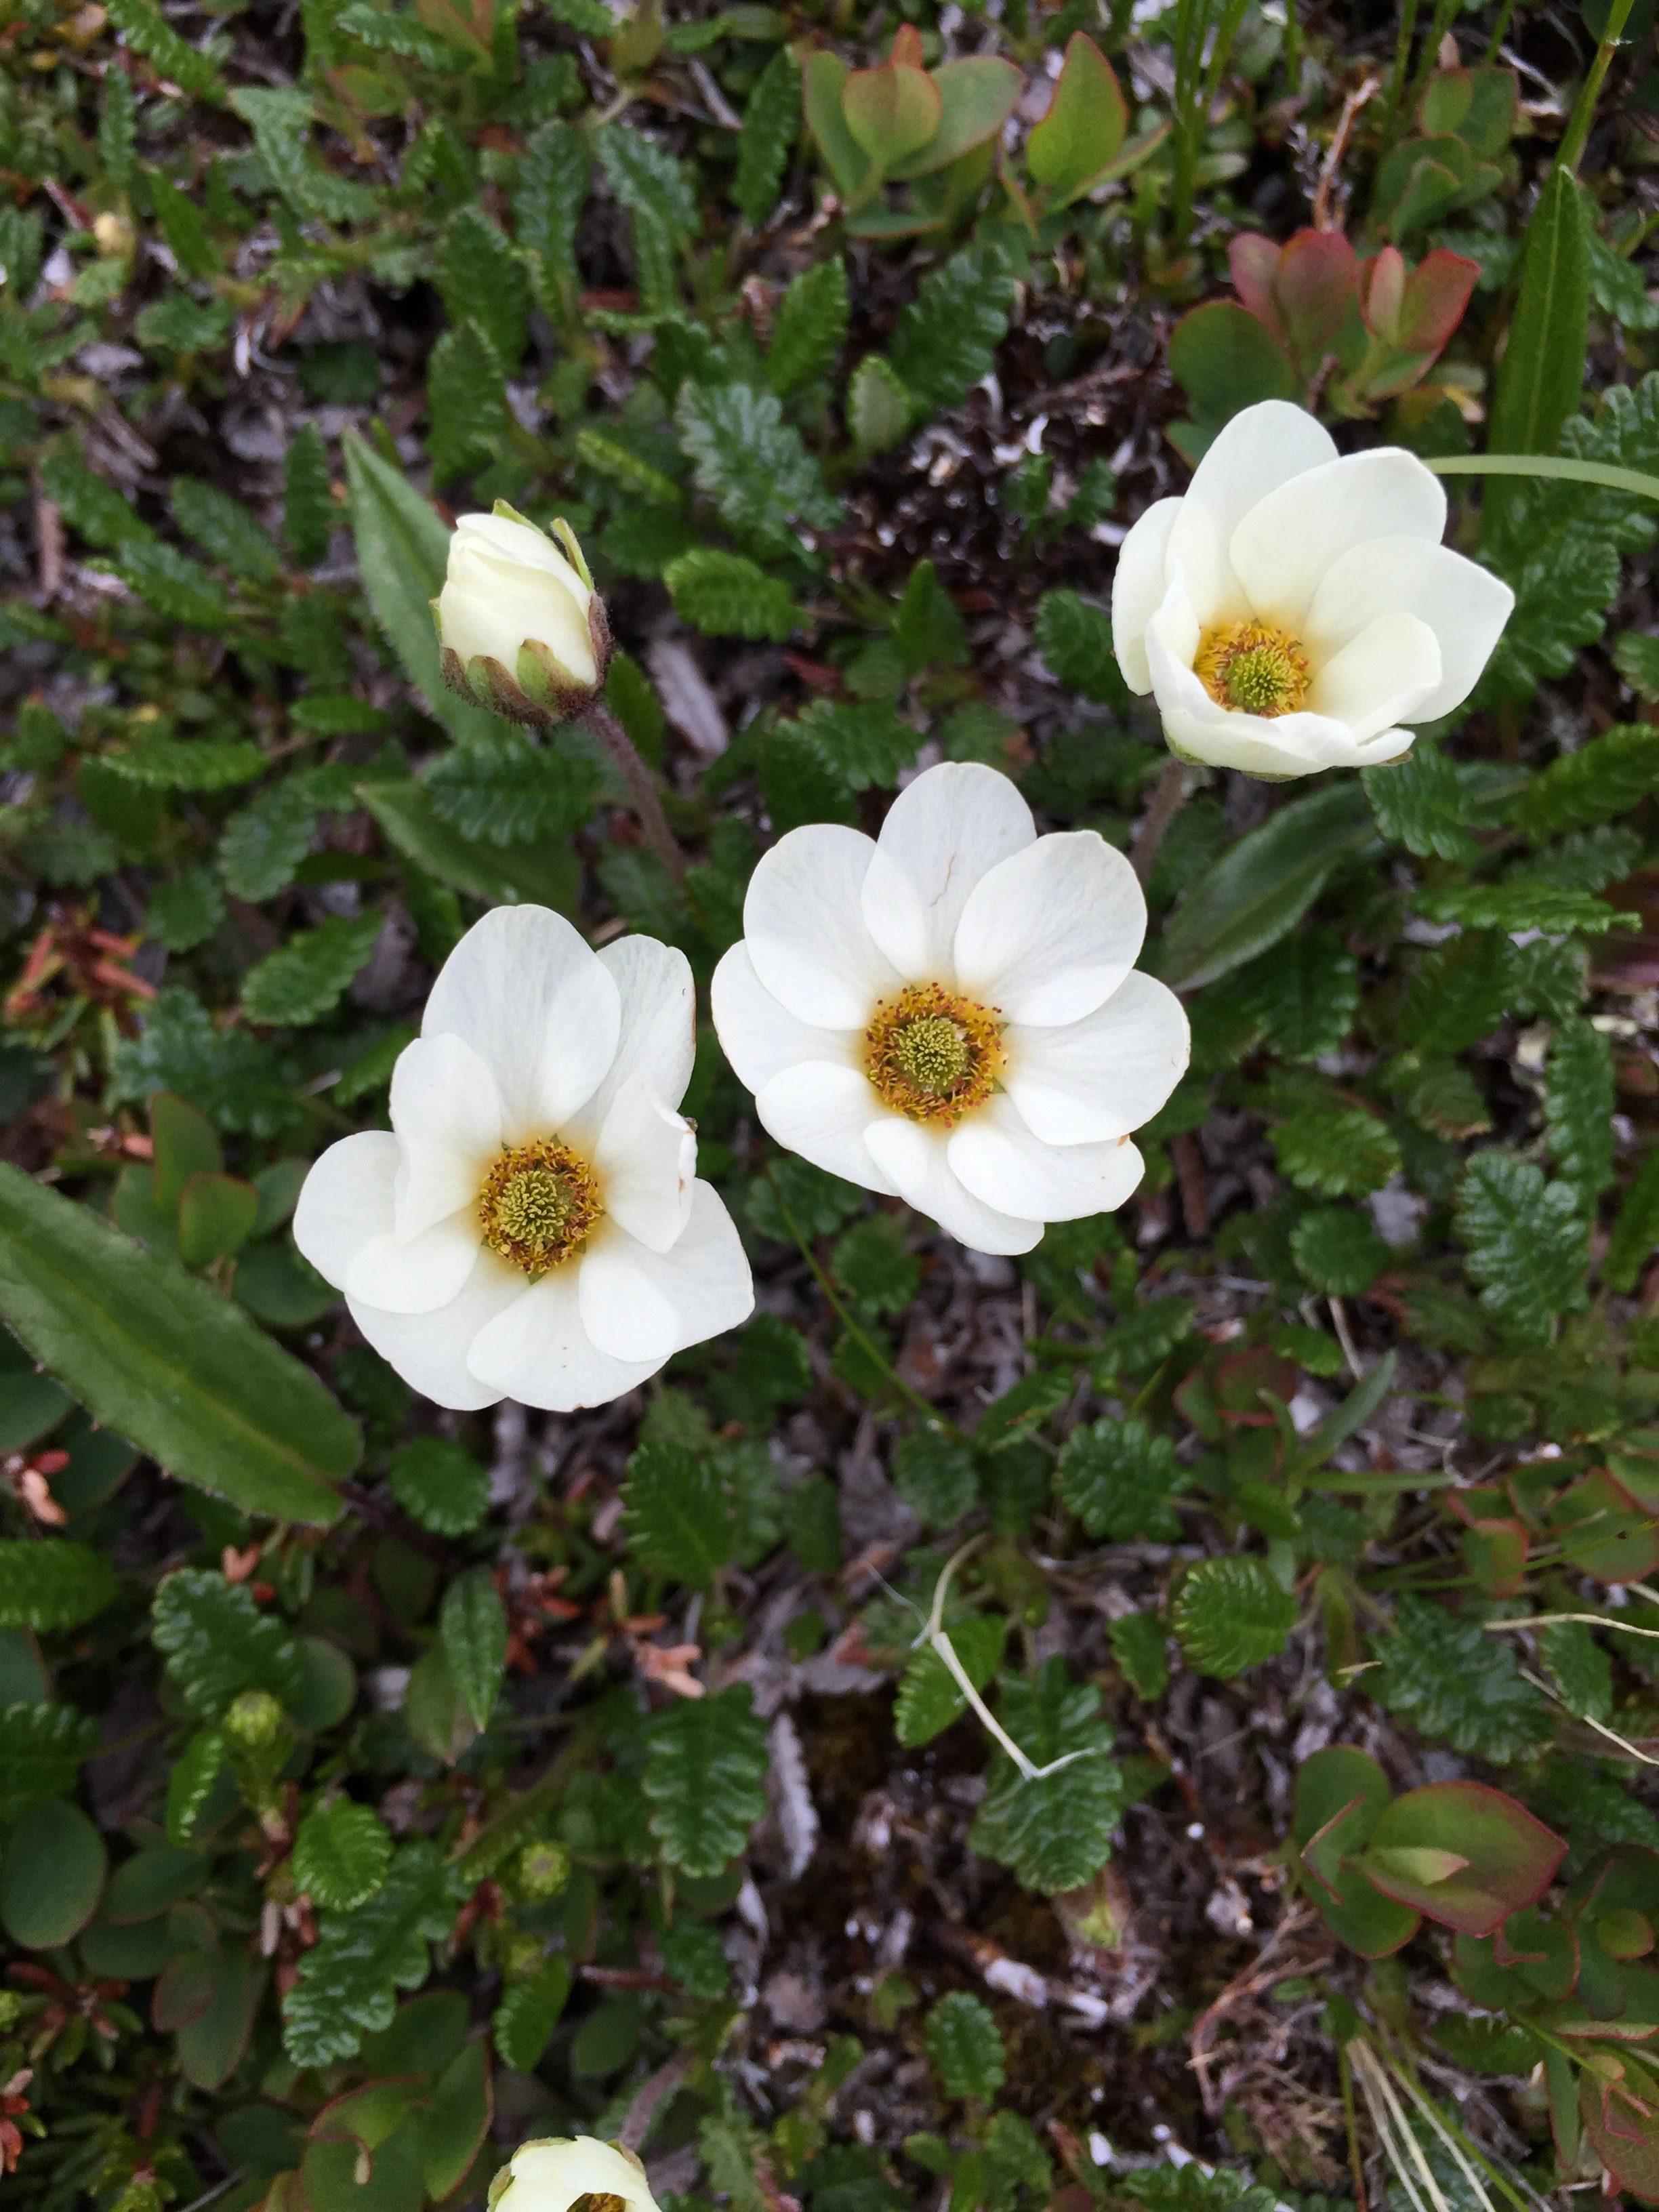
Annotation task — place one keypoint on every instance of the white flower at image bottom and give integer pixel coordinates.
(950, 1013)
(1295, 608)
(530, 1227)
(551, 2175)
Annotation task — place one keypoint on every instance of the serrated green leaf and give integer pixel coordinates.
(190, 1783)
(439, 1485)
(1636, 1230)
(89, 505)
(149, 34)
(482, 280)
(1230, 1614)
(307, 978)
(705, 1777)
(726, 595)
(217, 1643)
(857, 748)
(771, 124)
(1520, 902)
(1580, 1669)
(752, 464)
(555, 174)
(872, 1267)
(815, 1202)
(1118, 1478)
(308, 510)
(1338, 1251)
(473, 1628)
(1578, 1106)
(937, 1478)
(1457, 1685)
(53, 1583)
(1607, 776)
(223, 528)
(1139, 1644)
(1342, 1154)
(946, 340)
(679, 1517)
(1459, 992)
(161, 1358)
(280, 117)
(342, 1854)
(172, 584)
(348, 1981)
(527, 2015)
(965, 2046)
(42, 1749)
(1527, 1242)
(1075, 641)
(926, 626)
(811, 326)
(1055, 1831)
(466, 394)
(1304, 992)
(511, 792)
(185, 913)
(929, 1696)
(1419, 802)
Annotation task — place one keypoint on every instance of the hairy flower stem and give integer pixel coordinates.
(867, 1344)
(1584, 115)
(1168, 797)
(642, 786)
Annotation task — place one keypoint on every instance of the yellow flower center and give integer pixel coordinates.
(931, 1055)
(1254, 666)
(539, 1205)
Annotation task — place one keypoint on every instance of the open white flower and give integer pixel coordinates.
(1295, 608)
(951, 1014)
(519, 625)
(530, 1227)
(549, 2175)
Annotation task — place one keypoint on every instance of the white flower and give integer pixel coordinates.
(1294, 608)
(531, 1227)
(520, 627)
(952, 1014)
(549, 2175)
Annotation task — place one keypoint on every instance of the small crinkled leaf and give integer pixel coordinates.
(472, 1628)
(528, 2014)
(1607, 776)
(728, 595)
(771, 124)
(1075, 641)
(439, 1485)
(937, 1477)
(1341, 1154)
(1636, 1229)
(482, 280)
(1421, 803)
(811, 325)
(307, 977)
(223, 528)
(1304, 992)
(871, 1265)
(929, 1697)
(1055, 1831)
(1139, 1644)
(53, 1583)
(1337, 1250)
(1578, 1107)
(705, 1775)
(752, 464)
(512, 791)
(1526, 901)
(188, 763)
(1231, 1614)
(266, 842)
(348, 1981)
(945, 339)
(1457, 1685)
(190, 1780)
(1527, 1242)
(341, 1854)
(1119, 1478)
(1459, 992)
(1580, 1669)
(965, 2046)
(41, 1748)
(217, 1643)
(466, 398)
(678, 1514)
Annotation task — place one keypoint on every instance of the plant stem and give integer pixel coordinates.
(1584, 115)
(1548, 464)
(1403, 54)
(1168, 797)
(1505, 16)
(859, 1336)
(641, 788)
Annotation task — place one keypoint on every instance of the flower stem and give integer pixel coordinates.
(642, 788)
(860, 1337)
(1584, 115)
(1168, 797)
(1562, 465)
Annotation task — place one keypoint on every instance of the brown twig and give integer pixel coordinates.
(642, 786)
(650, 2097)
(1168, 797)
(1323, 217)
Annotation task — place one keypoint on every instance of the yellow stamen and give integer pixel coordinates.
(1256, 667)
(932, 1055)
(539, 1205)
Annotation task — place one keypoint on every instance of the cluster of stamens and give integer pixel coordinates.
(932, 1055)
(539, 1205)
(1256, 667)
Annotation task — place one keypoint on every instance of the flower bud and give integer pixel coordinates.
(543, 1871)
(254, 1722)
(549, 2175)
(522, 629)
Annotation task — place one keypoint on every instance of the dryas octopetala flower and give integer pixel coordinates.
(1295, 608)
(951, 1014)
(530, 1227)
(552, 2174)
(520, 627)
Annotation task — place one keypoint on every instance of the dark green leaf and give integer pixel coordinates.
(1230, 1614)
(1118, 1478)
(473, 1628)
(705, 1777)
(679, 1517)
(52, 1583)
(771, 123)
(1527, 1242)
(930, 1697)
(965, 2046)
(1540, 378)
(1457, 1685)
(1056, 1831)
(218, 1643)
(342, 1854)
(348, 1982)
(308, 977)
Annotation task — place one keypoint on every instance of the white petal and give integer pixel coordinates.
(519, 542)
(823, 1112)
(759, 1035)
(538, 1349)
(505, 584)
(1137, 588)
(1381, 677)
(1286, 544)
(916, 1158)
(1465, 605)
(657, 1040)
(1097, 1078)
(429, 1350)
(551, 2175)
(535, 1001)
(346, 1200)
(647, 1158)
(707, 1272)
(417, 1274)
(447, 1115)
(1198, 727)
(804, 927)
(1000, 1161)
(1053, 931)
(1254, 454)
(624, 1312)
(943, 833)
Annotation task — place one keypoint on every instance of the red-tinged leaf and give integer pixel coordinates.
(1317, 274)
(1462, 1854)
(1625, 2133)
(1254, 261)
(1438, 292)
(891, 112)
(1495, 1553)
(1603, 1533)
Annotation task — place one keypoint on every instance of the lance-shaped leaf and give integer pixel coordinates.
(1462, 1854)
(161, 1358)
